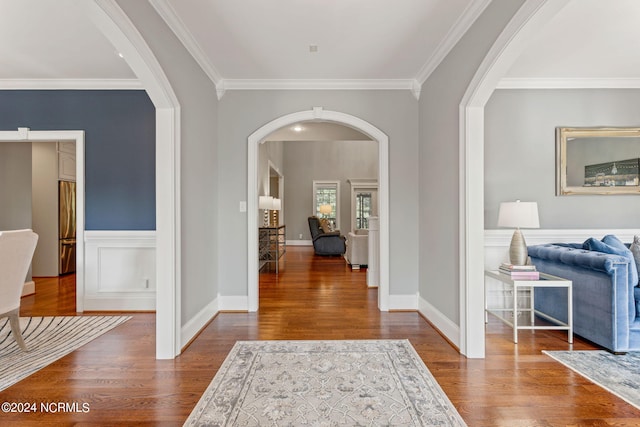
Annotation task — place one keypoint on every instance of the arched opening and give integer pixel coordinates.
(318, 115)
(529, 20)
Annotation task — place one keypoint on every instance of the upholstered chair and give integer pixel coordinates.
(16, 252)
(326, 243)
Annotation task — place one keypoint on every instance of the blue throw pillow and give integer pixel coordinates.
(610, 244)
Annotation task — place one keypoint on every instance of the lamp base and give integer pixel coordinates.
(518, 254)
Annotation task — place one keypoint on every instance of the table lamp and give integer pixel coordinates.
(276, 206)
(518, 215)
(265, 202)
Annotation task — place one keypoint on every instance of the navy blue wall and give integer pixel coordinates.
(119, 147)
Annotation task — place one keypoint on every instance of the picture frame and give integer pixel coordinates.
(597, 160)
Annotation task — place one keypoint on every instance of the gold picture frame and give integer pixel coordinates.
(597, 160)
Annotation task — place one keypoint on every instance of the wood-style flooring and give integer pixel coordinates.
(312, 297)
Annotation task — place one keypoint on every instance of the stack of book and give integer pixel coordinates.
(522, 272)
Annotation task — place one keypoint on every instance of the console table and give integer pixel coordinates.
(271, 245)
(513, 285)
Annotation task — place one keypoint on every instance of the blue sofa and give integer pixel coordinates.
(606, 298)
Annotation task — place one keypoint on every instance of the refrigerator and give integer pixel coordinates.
(67, 226)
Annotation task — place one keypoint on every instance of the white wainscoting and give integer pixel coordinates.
(120, 270)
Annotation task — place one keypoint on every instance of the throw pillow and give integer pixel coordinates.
(610, 244)
(635, 250)
(324, 224)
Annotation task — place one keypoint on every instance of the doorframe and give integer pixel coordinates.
(53, 136)
(528, 21)
(317, 114)
(111, 20)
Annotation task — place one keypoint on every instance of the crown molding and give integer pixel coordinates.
(170, 17)
(319, 84)
(70, 84)
(568, 83)
(459, 28)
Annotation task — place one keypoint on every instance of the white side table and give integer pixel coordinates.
(513, 285)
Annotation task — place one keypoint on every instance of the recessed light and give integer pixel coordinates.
(313, 48)
(120, 55)
(298, 128)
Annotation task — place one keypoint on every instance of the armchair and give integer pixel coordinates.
(325, 243)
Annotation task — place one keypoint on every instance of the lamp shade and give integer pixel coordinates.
(265, 202)
(325, 209)
(518, 215)
(276, 205)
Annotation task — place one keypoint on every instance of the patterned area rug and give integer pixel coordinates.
(47, 339)
(324, 383)
(619, 374)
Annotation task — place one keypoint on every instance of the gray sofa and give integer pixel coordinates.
(325, 243)
(606, 298)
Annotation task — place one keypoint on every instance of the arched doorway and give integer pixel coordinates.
(321, 115)
(527, 22)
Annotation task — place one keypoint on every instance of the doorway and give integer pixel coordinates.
(77, 138)
(318, 114)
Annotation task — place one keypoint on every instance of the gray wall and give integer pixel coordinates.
(520, 153)
(439, 158)
(199, 175)
(15, 185)
(243, 112)
(306, 161)
(45, 208)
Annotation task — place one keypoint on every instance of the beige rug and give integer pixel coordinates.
(48, 339)
(324, 383)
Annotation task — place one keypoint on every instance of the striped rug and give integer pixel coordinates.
(48, 339)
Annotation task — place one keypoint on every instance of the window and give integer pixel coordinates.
(363, 210)
(326, 197)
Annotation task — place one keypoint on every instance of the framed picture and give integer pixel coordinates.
(597, 161)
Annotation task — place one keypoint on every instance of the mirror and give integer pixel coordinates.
(597, 161)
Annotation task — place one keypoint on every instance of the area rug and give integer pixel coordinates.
(324, 383)
(47, 339)
(619, 374)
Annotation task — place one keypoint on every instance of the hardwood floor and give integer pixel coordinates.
(312, 298)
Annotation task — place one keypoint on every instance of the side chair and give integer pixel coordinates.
(16, 253)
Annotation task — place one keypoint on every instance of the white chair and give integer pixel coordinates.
(16, 253)
(357, 249)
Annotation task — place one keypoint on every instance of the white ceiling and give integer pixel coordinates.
(361, 43)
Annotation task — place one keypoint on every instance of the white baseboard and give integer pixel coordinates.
(449, 329)
(233, 303)
(198, 322)
(403, 302)
(299, 243)
(29, 288)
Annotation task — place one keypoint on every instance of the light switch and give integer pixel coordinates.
(243, 206)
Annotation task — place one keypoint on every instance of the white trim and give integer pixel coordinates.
(502, 237)
(360, 185)
(527, 21)
(448, 328)
(318, 84)
(70, 84)
(404, 302)
(299, 242)
(198, 322)
(120, 31)
(233, 303)
(459, 28)
(317, 114)
(25, 134)
(568, 83)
